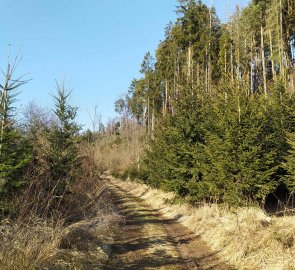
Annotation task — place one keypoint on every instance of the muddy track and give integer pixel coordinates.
(147, 240)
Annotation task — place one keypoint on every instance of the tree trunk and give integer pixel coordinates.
(232, 64)
(166, 97)
(4, 106)
(281, 42)
(225, 60)
(148, 116)
(274, 75)
(209, 52)
(198, 74)
(252, 70)
(263, 62)
(239, 110)
(153, 121)
(206, 73)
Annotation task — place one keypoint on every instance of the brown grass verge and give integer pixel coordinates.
(40, 244)
(68, 231)
(28, 246)
(246, 238)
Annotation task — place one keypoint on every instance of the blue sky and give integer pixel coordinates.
(96, 46)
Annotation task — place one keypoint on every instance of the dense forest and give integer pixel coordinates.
(217, 104)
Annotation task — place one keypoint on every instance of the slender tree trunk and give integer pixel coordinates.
(239, 109)
(238, 65)
(281, 42)
(163, 104)
(148, 116)
(274, 75)
(263, 61)
(178, 77)
(153, 121)
(166, 97)
(188, 74)
(209, 52)
(4, 106)
(225, 60)
(238, 52)
(198, 74)
(206, 72)
(189, 63)
(255, 72)
(252, 69)
(192, 71)
(209, 76)
(232, 63)
(175, 76)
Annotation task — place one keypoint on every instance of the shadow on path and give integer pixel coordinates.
(150, 241)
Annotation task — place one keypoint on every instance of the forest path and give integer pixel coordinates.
(148, 240)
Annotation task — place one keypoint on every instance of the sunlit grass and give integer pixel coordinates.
(246, 238)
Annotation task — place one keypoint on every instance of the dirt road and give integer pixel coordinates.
(148, 240)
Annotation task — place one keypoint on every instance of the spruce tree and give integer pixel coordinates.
(170, 162)
(239, 158)
(221, 138)
(63, 152)
(14, 151)
(290, 164)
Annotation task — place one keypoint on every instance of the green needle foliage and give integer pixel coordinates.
(14, 150)
(239, 159)
(221, 104)
(63, 154)
(290, 163)
(218, 150)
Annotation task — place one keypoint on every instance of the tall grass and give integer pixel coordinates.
(28, 246)
(46, 230)
(120, 153)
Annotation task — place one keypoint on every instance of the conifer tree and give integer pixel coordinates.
(239, 158)
(215, 140)
(63, 152)
(14, 151)
(290, 163)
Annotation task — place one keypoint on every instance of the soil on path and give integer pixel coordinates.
(147, 240)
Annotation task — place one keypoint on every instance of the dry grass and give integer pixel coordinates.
(112, 154)
(39, 244)
(246, 238)
(46, 246)
(28, 246)
(86, 243)
(117, 154)
(71, 231)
